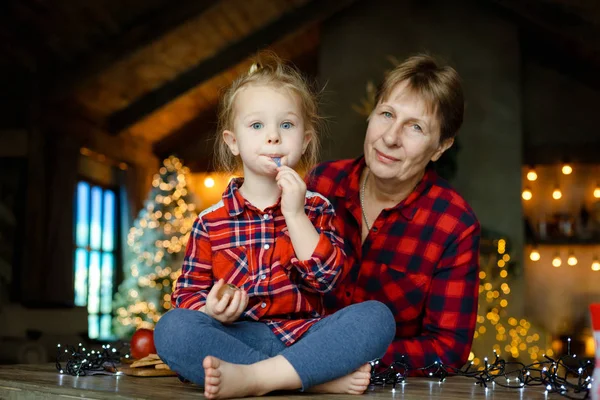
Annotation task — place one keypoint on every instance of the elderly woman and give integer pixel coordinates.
(411, 239)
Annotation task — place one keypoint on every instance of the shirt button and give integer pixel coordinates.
(375, 229)
(263, 276)
(266, 216)
(263, 305)
(267, 246)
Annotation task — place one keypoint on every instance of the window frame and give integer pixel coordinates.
(117, 251)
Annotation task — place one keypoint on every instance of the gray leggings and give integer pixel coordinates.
(333, 347)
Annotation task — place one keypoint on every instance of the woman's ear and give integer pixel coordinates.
(231, 141)
(443, 146)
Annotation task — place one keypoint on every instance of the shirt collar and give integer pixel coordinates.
(232, 198)
(235, 203)
(349, 187)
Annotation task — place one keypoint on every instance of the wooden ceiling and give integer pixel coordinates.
(147, 73)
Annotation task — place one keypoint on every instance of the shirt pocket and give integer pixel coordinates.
(232, 264)
(406, 290)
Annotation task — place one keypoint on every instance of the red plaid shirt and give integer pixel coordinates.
(421, 258)
(252, 249)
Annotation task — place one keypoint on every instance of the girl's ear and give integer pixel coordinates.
(231, 142)
(308, 135)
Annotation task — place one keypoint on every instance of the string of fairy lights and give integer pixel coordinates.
(78, 361)
(591, 191)
(568, 376)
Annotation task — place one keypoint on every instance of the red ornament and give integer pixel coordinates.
(142, 343)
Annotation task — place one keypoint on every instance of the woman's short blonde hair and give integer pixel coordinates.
(269, 70)
(438, 85)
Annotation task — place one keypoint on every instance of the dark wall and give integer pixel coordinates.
(560, 116)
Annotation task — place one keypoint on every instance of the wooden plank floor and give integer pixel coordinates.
(44, 382)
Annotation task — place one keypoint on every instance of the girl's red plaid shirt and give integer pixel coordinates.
(251, 249)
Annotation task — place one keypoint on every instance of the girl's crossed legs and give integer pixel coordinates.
(246, 358)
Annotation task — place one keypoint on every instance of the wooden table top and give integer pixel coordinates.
(44, 382)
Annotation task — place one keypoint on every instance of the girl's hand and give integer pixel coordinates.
(293, 192)
(229, 308)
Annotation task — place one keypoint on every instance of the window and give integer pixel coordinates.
(96, 256)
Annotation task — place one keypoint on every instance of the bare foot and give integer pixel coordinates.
(224, 380)
(353, 383)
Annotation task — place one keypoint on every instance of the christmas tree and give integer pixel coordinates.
(155, 249)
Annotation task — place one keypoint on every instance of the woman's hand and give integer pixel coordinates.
(293, 192)
(229, 308)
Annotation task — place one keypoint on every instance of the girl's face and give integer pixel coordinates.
(267, 124)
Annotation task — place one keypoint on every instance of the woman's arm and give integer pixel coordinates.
(450, 310)
(196, 277)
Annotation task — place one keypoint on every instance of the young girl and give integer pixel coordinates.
(277, 243)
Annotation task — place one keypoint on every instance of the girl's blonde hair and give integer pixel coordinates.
(269, 70)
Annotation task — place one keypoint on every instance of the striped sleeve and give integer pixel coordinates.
(323, 268)
(196, 277)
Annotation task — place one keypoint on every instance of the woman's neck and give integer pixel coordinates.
(390, 192)
(261, 191)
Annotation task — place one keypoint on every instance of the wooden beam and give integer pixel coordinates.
(146, 30)
(312, 12)
(199, 130)
(125, 148)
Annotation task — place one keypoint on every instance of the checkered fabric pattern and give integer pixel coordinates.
(252, 249)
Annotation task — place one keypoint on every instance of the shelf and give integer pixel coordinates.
(564, 242)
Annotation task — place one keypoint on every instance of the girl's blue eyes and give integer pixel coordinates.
(417, 128)
(284, 125)
(387, 114)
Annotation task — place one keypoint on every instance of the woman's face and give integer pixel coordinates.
(402, 137)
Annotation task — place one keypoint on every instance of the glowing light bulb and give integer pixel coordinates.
(572, 260)
(567, 169)
(596, 265)
(531, 175)
(534, 255)
(556, 194)
(556, 261)
(597, 191)
(209, 182)
(527, 195)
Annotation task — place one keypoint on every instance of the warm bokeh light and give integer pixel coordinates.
(556, 261)
(534, 255)
(597, 192)
(572, 260)
(556, 194)
(567, 169)
(531, 175)
(209, 182)
(527, 195)
(596, 265)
